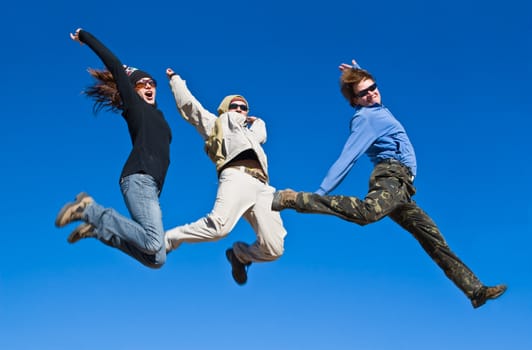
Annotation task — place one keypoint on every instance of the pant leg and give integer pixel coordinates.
(268, 227)
(142, 236)
(413, 219)
(387, 190)
(234, 197)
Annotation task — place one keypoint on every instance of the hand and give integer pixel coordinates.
(75, 36)
(169, 72)
(250, 120)
(345, 66)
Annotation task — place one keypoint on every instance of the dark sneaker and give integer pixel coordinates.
(486, 293)
(82, 231)
(73, 211)
(284, 199)
(239, 272)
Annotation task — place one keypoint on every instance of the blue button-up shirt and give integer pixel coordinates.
(375, 132)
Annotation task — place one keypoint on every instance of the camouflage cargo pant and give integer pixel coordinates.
(390, 194)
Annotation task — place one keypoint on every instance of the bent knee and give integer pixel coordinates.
(277, 252)
(154, 247)
(156, 265)
(156, 261)
(274, 251)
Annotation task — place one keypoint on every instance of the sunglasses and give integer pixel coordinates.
(236, 105)
(366, 91)
(143, 83)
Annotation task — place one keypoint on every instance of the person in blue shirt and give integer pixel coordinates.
(376, 133)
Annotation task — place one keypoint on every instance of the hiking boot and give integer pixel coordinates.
(73, 211)
(284, 199)
(485, 293)
(239, 269)
(82, 231)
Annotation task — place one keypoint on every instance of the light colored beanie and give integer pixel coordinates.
(224, 105)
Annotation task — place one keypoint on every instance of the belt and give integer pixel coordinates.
(256, 173)
(395, 161)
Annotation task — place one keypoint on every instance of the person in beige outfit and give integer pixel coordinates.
(233, 142)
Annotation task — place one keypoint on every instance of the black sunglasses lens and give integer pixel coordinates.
(366, 90)
(235, 106)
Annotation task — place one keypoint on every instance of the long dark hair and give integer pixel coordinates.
(104, 91)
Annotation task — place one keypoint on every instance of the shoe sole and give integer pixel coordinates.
(499, 293)
(79, 233)
(240, 278)
(63, 217)
(477, 303)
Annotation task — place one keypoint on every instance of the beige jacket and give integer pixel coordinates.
(225, 136)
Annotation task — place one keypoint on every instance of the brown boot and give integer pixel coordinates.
(82, 231)
(73, 211)
(485, 293)
(284, 199)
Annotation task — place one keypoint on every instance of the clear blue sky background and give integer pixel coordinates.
(457, 75)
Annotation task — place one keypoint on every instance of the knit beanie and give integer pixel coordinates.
(136, 74)
(224, 105)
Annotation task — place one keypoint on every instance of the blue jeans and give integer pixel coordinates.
(142, 236)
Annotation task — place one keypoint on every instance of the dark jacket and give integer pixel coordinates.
(148, 129)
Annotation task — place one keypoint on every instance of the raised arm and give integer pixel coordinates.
(111, 62)
(189, 107)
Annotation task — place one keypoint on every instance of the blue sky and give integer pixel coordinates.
(455, 73)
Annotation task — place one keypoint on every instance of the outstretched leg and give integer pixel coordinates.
(233, 199)
(388, 188)
(413, 219)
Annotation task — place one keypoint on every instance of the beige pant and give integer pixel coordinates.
(239, 194)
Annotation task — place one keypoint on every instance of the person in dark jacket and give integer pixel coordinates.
(131, 91)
